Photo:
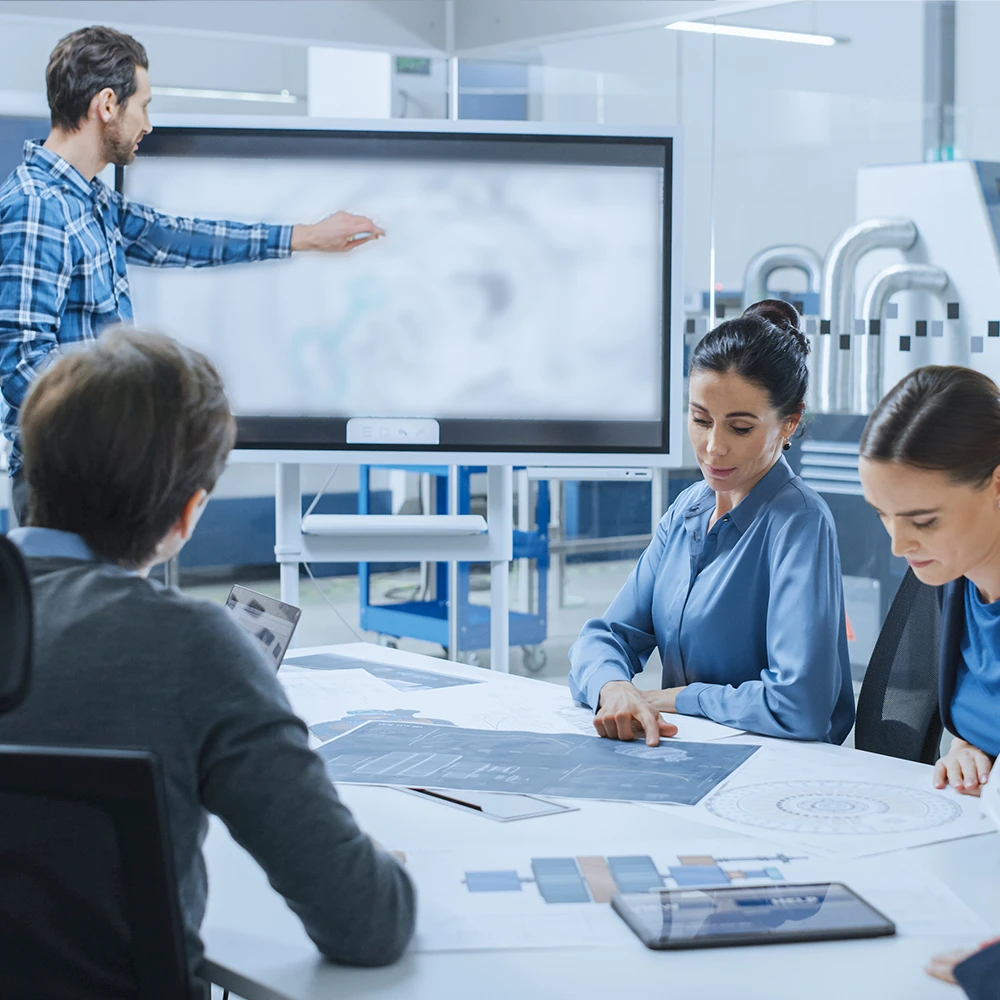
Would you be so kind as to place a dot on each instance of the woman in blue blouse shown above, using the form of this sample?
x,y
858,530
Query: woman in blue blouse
x,y
930,466
740,588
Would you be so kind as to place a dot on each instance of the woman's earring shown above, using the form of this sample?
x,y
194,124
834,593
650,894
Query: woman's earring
x,y
788,444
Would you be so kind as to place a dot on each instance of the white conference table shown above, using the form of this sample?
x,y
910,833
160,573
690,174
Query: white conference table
x,y
256,947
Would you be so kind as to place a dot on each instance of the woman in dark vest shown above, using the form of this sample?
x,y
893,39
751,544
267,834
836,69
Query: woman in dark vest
x,y
930,466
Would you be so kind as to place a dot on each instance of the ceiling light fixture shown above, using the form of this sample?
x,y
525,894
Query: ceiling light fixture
x,y
766,34
226,95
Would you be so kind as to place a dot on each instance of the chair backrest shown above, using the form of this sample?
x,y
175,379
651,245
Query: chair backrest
x,y
898,706
15,626
87,884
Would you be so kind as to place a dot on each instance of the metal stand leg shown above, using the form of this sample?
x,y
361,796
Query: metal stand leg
x,y
659,493
499,517
172,574
558,566
454,601
523,524
427,506
288,528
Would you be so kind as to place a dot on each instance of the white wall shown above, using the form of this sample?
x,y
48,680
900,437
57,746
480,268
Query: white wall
x,y
977,98
793,123
349,83
175,60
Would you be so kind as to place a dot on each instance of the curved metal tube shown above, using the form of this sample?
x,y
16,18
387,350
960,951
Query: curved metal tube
x,y
834,370
898,278
775,258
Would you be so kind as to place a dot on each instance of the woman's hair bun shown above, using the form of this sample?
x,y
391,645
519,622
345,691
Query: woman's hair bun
x,y
783,315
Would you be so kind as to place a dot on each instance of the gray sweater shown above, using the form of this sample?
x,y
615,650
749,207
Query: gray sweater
x,y
122,662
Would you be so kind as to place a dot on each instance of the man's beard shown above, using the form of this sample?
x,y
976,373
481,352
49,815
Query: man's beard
x,y
119,149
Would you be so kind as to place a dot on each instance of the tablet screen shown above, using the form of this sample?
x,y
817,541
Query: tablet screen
x,y
269,621
700,918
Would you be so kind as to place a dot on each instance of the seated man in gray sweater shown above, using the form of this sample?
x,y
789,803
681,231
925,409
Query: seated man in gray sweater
x,y
123,443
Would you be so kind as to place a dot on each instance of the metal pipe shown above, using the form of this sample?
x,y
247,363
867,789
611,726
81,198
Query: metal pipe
x,y
898,278
771,259
834,371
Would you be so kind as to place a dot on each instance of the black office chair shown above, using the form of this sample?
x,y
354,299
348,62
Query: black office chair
x,y
898,705
87,883
16,626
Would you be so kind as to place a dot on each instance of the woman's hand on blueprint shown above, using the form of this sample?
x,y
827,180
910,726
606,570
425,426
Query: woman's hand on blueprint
x,y
336,233
623,713
964,767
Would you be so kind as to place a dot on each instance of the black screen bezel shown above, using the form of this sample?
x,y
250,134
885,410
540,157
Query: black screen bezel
x,y
457,435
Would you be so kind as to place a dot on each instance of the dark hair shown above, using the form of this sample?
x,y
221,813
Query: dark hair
x,y
765,347
83,64
118,436
943,418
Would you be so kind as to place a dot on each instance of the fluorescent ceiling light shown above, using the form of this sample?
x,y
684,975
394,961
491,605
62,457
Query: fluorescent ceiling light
x,y
765,33
226,95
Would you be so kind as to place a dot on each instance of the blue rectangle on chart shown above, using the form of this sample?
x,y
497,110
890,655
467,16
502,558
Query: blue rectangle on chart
x,y
559,880
699,875
506,881
635,874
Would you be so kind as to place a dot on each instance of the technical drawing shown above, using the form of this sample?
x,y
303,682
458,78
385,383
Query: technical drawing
x,y
556,764
401,678
596,879
359,716
848,808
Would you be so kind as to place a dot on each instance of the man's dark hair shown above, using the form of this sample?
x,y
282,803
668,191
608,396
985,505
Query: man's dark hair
x,y
83,64
118,436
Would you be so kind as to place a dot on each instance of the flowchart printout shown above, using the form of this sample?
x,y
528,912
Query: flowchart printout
x,y
560,764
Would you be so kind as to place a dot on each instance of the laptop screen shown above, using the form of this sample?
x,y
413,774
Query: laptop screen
x,y
269,621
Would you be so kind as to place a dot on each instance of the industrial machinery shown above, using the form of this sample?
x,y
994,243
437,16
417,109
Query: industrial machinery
x,y
915,281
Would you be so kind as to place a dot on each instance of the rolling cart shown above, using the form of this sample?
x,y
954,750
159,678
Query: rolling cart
x,y
428,619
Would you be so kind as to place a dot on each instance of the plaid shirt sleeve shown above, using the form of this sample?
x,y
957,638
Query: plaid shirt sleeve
x,y
35,270
158,240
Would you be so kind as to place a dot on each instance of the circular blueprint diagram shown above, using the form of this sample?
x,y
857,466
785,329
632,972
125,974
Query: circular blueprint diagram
x,y
838,807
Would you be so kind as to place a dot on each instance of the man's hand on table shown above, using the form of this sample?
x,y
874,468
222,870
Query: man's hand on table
x,y
335,234
943,966
623,713
964,767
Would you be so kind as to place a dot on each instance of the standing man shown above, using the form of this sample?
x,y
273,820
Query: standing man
x,y
65,236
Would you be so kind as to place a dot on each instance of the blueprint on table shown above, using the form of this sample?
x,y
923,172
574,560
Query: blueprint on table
x,y
401,678
561,764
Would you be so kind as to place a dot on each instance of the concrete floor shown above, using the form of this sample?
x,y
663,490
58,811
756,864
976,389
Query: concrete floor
x,y
589,589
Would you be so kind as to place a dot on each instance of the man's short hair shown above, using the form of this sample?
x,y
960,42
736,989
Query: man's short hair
x,y
118,436
83,64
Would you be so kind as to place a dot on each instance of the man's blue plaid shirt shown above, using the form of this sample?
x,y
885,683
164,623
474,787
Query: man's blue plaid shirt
x,y
64,244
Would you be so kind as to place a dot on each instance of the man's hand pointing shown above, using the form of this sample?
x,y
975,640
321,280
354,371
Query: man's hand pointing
x,y
335,234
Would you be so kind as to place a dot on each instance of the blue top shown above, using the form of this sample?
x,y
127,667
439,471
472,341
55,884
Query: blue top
x,y
64,243
749,615
975,704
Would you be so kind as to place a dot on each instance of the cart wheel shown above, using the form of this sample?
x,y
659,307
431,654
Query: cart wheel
x,y
388,641
471,658
534,659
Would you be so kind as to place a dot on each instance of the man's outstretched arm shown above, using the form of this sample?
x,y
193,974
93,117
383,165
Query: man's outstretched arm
x,y
154,239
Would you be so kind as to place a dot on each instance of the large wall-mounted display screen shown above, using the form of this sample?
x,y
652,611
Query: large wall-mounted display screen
x,y
520,297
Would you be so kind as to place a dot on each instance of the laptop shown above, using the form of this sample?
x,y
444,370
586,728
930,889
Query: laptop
x,y
271,622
